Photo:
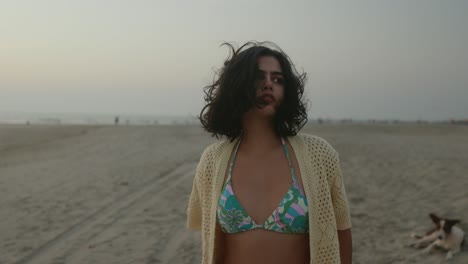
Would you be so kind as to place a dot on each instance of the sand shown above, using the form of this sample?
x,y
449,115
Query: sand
x,y
118,194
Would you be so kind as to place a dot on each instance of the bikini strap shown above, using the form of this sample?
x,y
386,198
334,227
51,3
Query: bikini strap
x,y
285,147
233,159
285,150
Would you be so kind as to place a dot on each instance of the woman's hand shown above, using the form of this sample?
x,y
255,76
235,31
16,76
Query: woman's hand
x,y
346,246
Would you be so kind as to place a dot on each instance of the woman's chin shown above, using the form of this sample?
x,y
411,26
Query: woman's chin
x,y
267,111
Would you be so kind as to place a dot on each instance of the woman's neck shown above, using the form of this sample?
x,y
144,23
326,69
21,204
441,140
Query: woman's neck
x,y
258,136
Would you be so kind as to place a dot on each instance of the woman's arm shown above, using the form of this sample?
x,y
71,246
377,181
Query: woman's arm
x,y
346,246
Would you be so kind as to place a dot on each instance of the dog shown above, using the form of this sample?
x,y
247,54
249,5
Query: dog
x,y
445,235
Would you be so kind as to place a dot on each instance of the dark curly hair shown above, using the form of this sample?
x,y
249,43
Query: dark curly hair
x,y
233,92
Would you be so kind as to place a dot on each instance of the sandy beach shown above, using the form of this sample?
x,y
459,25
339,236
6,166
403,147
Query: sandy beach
x,y
118,194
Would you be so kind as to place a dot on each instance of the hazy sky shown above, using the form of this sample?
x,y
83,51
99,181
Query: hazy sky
x,y
405,59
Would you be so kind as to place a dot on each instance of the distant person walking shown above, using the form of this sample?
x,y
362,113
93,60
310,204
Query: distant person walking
x,y
266,193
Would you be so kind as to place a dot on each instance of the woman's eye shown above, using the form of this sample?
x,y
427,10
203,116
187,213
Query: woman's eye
x,y
278,80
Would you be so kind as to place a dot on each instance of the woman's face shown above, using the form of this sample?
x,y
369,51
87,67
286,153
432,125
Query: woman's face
x,y
270,86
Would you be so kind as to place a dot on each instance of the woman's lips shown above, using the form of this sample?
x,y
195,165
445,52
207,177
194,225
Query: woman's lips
x,y
267,98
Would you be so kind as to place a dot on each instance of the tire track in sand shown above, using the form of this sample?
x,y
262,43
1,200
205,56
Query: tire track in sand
x,y
64,244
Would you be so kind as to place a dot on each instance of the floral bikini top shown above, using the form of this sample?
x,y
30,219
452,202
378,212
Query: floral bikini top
x,y
291,215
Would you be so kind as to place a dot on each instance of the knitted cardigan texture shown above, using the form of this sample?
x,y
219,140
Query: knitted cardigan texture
x,y
323,185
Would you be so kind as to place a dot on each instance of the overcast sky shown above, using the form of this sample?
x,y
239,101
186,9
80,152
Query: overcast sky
x,y
405,59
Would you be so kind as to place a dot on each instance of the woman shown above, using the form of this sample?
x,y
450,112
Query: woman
x,y
267,194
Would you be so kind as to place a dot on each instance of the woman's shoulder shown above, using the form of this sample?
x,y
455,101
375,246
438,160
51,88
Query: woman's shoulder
x,y
314,144
216,150
210,159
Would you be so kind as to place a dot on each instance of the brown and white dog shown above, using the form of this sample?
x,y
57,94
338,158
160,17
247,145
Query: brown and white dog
x,y
445,235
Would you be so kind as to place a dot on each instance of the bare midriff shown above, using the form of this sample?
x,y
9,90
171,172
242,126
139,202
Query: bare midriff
x,y
264,246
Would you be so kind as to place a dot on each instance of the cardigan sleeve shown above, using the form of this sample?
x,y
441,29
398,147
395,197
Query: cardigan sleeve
x,y
339,199
194,210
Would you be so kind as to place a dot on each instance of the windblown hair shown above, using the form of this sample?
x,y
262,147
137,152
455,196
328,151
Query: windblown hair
x,y
233,92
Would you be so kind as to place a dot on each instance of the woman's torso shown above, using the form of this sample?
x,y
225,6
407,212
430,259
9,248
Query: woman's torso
x,y
260,183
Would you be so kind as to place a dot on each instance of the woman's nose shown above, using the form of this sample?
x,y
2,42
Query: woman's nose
x,y
268,83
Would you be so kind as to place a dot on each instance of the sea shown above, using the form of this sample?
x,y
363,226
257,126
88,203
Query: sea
x,y
93,119
10,117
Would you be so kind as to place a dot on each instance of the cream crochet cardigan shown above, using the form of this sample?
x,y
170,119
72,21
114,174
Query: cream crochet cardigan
x,y
323,185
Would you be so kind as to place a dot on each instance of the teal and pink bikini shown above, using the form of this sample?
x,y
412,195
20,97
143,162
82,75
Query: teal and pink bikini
x,y
291,215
